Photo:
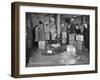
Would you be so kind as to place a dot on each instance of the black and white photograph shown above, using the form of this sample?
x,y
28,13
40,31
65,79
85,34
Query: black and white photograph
x,y
57,39
52,39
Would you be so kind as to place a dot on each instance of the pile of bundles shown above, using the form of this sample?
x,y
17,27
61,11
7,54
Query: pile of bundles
x,y
68,56
51,49
76,40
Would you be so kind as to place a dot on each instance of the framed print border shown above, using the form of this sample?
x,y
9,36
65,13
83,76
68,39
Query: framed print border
x,y
15,39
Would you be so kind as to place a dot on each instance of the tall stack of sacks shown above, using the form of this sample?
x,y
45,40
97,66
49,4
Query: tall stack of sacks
x,y
41,44
79,41
72,40
71,51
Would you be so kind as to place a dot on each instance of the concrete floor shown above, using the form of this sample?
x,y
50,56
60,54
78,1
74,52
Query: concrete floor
x,y
38,60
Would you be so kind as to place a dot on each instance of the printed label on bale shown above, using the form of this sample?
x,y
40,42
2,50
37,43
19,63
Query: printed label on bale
x,y
79,37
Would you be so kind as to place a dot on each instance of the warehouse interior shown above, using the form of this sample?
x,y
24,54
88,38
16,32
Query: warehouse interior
x,y
57,39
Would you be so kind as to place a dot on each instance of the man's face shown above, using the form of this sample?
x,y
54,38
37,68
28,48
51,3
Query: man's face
x,y
72,20
85,25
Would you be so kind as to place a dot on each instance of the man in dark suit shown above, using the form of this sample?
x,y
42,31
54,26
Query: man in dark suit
x,y
86,36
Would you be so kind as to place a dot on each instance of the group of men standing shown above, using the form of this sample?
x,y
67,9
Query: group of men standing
x,y
45,32
48,32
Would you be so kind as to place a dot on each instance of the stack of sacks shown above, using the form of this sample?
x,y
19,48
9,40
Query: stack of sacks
x,y
79,39
55,45
71,51
41,44
72,39
68,56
